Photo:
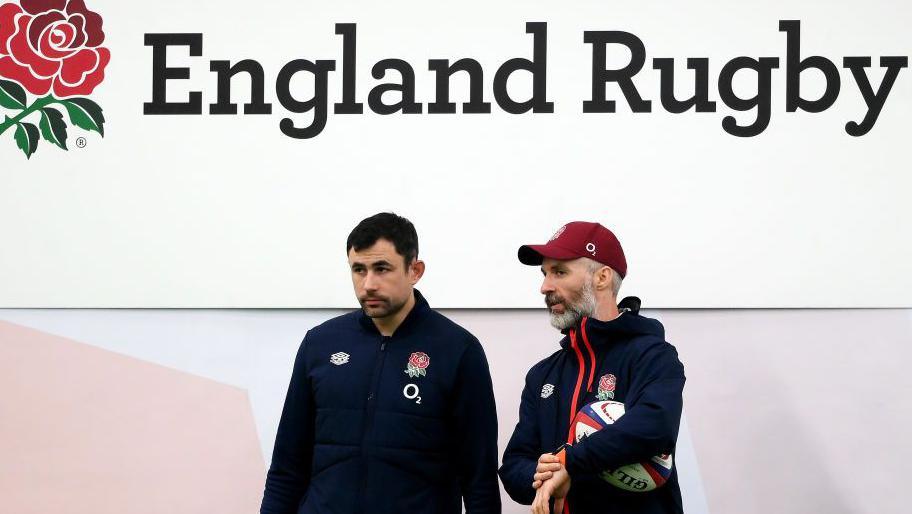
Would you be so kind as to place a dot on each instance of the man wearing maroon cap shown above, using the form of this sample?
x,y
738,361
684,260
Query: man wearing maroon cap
x,y
609,353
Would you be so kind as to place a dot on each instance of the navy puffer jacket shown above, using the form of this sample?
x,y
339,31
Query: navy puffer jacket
x,y
374,424
625,360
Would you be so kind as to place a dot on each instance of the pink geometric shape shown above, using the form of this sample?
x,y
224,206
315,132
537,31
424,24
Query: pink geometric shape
x,y
88,431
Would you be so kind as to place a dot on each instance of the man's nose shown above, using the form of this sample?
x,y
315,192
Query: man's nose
x,y
546,286
370,282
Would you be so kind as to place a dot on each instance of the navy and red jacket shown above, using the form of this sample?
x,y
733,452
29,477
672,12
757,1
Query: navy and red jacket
x,y
648,380
375,424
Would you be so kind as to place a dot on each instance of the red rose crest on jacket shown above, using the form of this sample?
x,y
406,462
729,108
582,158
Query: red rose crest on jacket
x,y
417,365
606,387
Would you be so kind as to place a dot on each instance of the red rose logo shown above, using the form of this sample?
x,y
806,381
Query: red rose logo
x,y
606,387
47,44
51,49
607,383
417,364
420,360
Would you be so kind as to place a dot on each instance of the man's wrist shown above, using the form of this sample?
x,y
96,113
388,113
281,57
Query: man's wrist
x,y
561,454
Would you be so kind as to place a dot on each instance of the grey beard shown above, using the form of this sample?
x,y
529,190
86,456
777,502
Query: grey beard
x,y
574,313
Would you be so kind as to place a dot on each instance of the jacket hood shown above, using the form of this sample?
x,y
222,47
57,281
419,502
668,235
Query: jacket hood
x,y
628,325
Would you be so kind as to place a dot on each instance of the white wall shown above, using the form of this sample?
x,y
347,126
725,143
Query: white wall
x,y
786,411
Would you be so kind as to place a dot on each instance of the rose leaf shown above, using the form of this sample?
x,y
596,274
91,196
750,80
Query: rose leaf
x,y
53,128
85,114
27,138
12,96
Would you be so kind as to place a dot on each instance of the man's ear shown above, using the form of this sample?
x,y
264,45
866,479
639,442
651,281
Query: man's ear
x,y
603,278
416,270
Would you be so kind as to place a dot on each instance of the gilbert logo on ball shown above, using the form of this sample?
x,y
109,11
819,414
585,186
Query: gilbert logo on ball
x,y
417,365
640,477
51,58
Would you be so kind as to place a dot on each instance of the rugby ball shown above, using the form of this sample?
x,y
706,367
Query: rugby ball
x,y
639,477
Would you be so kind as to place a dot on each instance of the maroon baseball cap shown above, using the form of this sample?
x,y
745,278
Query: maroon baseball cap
x,y
578,239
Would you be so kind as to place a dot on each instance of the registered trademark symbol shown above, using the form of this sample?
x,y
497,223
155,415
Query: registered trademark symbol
x,y
80,142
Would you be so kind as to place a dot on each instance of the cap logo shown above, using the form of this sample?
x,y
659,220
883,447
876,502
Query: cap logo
x,y
590,247
558,233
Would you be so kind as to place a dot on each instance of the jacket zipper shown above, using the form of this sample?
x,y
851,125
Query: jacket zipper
x,y
369,416
579,393
579,382
592,367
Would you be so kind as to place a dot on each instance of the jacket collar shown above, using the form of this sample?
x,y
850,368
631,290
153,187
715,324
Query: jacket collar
x,y
627,325
419,310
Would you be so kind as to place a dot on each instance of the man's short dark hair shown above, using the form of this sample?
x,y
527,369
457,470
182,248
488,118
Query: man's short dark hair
x,y
389,226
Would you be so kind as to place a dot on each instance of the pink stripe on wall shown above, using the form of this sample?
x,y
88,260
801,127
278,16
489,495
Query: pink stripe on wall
x,y
88,431
798,411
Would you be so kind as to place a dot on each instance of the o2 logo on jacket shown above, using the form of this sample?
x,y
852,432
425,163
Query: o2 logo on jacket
x,y
417,367
52,50
411,392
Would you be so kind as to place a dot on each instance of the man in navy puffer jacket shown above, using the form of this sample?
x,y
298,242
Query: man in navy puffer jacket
x,y
609,352
390,408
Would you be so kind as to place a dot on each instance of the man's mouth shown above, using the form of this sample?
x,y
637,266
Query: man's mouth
x,y
555,305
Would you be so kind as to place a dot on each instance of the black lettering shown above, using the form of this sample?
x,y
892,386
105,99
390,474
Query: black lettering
x,y
537,67
444,71
794,65
763,66
161,73
320,71
348,31
406,89
700,99
624,76
225,71
875,102
623,477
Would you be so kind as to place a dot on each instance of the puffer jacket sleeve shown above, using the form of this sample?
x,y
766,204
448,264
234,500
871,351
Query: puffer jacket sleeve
x,y
650,424
475,413
522,453
289,473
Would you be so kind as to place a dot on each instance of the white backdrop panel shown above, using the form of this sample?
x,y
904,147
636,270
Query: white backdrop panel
x,y
227,211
